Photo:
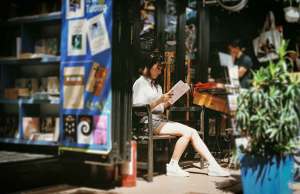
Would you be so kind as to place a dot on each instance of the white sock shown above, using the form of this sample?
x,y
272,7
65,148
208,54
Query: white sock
x,y
173,162
213,163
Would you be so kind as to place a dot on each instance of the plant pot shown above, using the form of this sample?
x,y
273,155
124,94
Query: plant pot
x,y
291,14
266,175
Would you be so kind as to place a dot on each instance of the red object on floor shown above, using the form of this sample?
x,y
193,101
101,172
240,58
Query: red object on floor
x,y
129,168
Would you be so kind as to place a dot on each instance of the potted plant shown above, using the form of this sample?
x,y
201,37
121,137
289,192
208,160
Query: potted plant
x,y
268,115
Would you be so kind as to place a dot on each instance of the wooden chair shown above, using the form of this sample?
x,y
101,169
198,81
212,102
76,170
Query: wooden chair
x,y
144,136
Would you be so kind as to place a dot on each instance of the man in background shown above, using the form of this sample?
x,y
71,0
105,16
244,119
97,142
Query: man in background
x,y
243,61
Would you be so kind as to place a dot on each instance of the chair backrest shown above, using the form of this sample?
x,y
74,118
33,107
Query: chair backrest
x,y
138,113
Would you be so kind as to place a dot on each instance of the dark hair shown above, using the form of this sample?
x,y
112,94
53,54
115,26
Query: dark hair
x,y
148,61
236,43
153,59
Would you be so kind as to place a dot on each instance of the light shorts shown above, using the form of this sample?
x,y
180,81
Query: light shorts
x,y
157,124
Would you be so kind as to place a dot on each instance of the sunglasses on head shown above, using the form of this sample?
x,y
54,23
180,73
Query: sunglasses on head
x,y
157,58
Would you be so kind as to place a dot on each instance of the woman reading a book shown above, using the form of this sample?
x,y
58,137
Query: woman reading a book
x,y
146,90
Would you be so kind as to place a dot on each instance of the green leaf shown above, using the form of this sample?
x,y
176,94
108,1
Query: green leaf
x,y
269,112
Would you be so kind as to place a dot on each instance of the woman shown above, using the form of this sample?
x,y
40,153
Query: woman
x,y
146,90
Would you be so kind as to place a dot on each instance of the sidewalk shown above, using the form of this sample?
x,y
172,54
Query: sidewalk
x,y
197,183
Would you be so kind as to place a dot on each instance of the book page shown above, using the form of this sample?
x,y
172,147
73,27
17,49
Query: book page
x,y
234,75
179,89
225,60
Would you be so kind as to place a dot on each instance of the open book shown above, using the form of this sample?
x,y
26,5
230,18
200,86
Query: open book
x,y
178,90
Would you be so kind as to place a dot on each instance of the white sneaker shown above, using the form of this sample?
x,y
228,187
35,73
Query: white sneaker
x,y
217,171
176,170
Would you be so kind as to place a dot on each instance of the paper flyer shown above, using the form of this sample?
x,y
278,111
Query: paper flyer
x,y
77,37
73,88
84,130
100,134
95,6
75,9
234,75
232,102
97,34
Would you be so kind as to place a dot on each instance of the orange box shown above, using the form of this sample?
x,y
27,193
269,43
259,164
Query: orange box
x,y
211,101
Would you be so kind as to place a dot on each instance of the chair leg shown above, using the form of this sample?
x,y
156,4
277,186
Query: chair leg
x,y
150,160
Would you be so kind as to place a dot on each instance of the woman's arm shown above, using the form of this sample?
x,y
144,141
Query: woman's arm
x,y
140,96
163,99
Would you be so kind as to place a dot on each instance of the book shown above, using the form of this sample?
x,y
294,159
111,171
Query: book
x,y
31,126
178,90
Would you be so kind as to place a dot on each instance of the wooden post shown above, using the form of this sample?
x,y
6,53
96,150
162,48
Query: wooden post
x,y
169,60
188,81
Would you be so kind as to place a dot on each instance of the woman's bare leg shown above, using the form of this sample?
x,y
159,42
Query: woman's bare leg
x,y
187,134
181,143
201,148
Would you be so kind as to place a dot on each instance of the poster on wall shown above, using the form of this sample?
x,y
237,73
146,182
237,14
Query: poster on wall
x,y
77,37
97,34
86,77
73,88
95,6
74,8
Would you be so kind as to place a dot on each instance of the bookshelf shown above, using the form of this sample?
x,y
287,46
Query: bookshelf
x,y
29,101
30,59
53,16
33,61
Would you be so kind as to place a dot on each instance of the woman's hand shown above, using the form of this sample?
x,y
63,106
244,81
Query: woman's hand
x,y
167,105
165,98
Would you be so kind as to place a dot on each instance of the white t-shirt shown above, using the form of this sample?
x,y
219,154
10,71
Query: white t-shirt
x,y
145,93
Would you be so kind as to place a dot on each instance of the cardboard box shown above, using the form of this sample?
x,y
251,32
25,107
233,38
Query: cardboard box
x,y
14,93
23,92
11,93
